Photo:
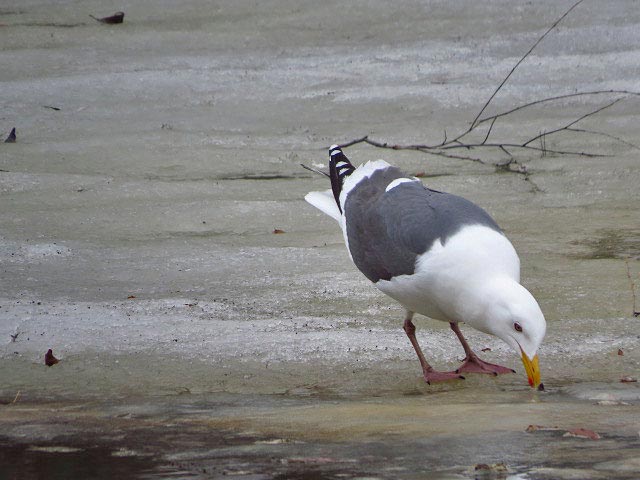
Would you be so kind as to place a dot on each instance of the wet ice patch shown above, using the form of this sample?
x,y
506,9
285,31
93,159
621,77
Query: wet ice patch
x,y
601,392
55,449
623,243
625,465
126,452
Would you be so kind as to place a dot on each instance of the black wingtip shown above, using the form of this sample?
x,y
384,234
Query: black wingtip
x,y
340,161
339,168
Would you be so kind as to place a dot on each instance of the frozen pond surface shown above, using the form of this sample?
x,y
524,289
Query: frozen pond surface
x,y
136,240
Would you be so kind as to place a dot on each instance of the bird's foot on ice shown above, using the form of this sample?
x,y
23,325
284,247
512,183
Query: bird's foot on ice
x,y
473,364
432,376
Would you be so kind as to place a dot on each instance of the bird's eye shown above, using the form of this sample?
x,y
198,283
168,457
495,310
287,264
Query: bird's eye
x,y
517,326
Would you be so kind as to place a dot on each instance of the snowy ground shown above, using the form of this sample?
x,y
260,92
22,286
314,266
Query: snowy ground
x,y
137,220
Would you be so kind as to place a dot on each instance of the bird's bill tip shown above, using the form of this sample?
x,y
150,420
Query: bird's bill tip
x,y
532,368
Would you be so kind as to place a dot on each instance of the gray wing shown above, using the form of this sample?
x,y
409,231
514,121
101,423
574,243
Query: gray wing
x,y
387,231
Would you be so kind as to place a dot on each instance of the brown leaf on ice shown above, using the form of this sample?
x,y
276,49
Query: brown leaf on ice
x,y
628,379
541,428
486,349
495,467
420,174
582,433
49,359
15,399
620,352
130,297
278,231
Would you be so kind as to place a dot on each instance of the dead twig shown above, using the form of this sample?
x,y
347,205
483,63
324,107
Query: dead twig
x,y
570,124
314,170
440,150
486,137
353,142
555,99
543,143
438,153
458,142
632,287
525,147
603,134
515,67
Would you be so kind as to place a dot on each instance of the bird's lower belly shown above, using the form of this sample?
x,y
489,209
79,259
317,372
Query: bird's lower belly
x,y
418,300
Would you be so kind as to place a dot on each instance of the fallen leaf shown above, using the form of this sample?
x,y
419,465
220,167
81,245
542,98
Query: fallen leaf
x,y
277,231
628,379
130,297
620,352
117,17
12,136
495,467
542,428
15,399
420,174
49,359
486,349
582,433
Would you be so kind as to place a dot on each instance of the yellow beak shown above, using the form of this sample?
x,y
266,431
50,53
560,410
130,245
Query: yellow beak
x,y
533,370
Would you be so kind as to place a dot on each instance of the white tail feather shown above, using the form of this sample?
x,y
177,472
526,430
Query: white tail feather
x,y
324,202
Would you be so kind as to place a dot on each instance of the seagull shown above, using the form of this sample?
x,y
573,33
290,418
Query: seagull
x,y
438,255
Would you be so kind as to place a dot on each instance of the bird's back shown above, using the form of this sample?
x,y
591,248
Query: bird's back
x,y
390,220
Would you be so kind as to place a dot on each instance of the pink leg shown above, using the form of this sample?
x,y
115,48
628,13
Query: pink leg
x,y
472,363
430,375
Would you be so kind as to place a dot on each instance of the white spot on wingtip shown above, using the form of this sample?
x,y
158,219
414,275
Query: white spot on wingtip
x,y
399,181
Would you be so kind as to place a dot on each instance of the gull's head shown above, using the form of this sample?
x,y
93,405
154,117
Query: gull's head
x,y
515,316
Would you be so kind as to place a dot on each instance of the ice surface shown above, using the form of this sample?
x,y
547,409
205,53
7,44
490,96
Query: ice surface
x,y
136,227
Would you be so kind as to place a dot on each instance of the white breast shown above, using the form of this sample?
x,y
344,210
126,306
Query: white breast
x,y
445,283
